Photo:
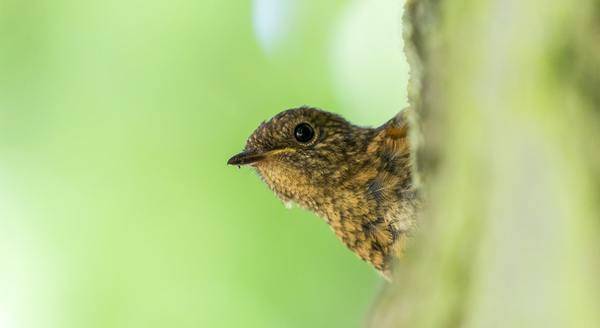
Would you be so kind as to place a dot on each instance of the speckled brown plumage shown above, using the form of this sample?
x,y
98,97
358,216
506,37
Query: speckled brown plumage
x,y
358,179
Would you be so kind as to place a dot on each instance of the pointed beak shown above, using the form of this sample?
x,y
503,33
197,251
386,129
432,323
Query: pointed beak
x,y
246,158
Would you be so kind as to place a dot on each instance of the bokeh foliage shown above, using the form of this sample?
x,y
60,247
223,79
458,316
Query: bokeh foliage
x,y
116,207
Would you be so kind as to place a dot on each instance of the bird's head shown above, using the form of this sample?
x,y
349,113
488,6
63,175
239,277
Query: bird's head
x,y
301,152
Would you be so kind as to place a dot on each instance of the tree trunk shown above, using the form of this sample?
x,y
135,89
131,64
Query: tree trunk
x,y
507,95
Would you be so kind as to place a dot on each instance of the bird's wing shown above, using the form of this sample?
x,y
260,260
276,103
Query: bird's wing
x,y
397,127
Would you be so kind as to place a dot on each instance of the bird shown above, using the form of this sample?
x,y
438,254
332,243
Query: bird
x,y
358,179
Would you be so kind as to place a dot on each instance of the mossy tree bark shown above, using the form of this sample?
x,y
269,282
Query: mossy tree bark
x,y
507,95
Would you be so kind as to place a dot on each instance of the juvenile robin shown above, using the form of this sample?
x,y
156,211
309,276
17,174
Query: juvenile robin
x,y
358,179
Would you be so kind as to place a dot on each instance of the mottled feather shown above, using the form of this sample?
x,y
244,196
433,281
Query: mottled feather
x,y
358,179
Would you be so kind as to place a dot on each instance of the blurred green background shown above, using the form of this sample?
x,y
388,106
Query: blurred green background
x,y
116,120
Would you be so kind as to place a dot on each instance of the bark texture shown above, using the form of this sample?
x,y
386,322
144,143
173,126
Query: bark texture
x,y
507,95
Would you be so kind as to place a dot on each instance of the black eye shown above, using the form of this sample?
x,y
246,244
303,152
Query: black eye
x,y
303,132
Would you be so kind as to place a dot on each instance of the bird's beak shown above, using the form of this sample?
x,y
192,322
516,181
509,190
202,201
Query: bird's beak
x,y
246,158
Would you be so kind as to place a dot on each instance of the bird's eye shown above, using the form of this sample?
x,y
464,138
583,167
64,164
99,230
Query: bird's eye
x,y
303,132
